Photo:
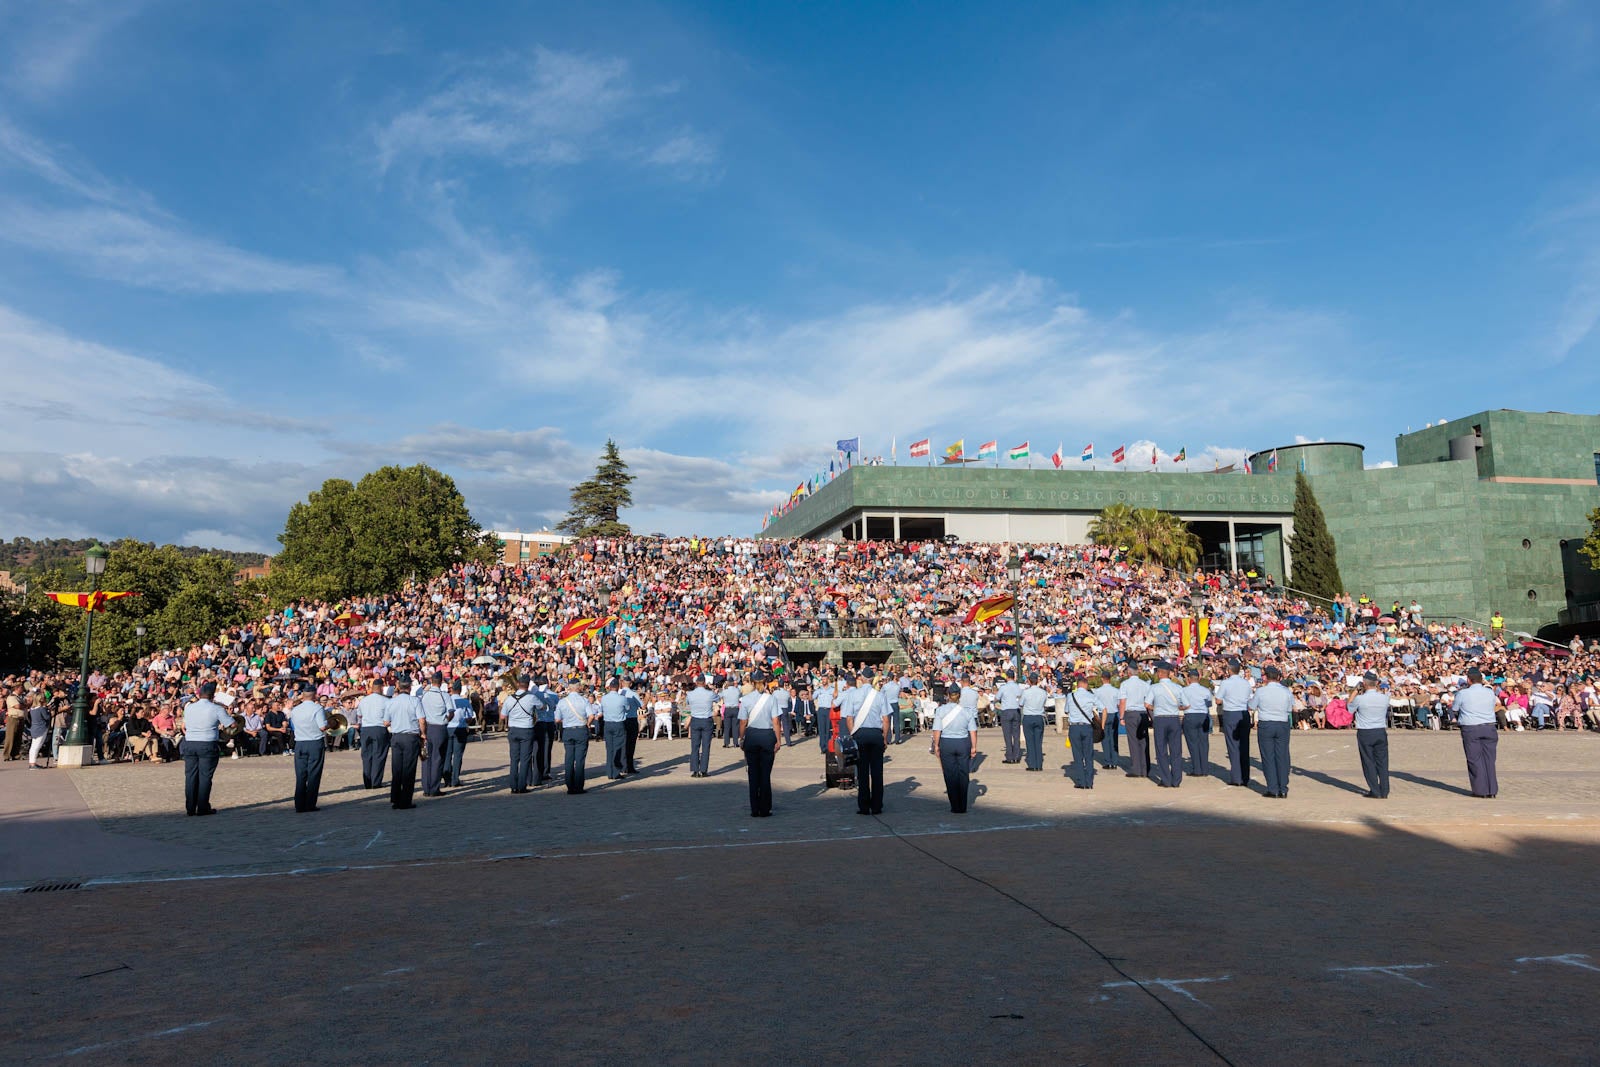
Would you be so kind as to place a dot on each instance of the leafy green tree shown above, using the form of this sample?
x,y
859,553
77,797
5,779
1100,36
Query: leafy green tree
x,y
1591,544
369,538
597,502
1313,557
183,600
1147,535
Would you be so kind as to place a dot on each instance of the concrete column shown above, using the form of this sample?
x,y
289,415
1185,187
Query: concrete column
x,y
1233,548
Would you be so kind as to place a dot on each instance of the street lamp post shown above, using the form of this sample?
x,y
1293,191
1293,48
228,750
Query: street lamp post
x,y
1014,570
27,655
76,750
140,631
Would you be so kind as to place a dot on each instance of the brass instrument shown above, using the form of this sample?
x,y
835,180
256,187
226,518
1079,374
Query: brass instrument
x,y
337,726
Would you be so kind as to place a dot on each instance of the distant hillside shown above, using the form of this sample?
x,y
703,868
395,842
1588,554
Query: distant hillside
x,y
24,555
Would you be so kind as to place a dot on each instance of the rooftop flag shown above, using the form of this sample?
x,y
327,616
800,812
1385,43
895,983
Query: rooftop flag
x,y
1119,454
1182,456
955,450
1088,452
1272,461
848,444
919,449
989,448
1020,452
1055,457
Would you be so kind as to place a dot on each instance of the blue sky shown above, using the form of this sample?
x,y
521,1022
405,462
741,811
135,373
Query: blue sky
x,y
247,247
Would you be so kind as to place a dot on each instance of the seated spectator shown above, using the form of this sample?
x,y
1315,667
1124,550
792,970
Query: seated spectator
x,y
1337,714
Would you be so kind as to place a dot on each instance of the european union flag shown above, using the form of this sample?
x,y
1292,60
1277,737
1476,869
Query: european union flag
x,y
849,444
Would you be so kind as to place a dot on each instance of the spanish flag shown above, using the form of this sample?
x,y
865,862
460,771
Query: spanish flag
x,y
984,610
95,601
600,624
573,630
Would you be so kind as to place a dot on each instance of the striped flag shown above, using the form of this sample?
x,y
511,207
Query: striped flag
x,y
573,630
920,449
1055,457
1272,461
1020,452
1119,454
1183,454
1088,452
988,449
95,601
984,610
1247,468
954,451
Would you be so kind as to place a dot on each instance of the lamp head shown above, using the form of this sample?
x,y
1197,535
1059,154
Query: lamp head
x,y
94,559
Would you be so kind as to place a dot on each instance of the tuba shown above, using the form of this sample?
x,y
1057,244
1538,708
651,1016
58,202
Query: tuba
x,y
337,725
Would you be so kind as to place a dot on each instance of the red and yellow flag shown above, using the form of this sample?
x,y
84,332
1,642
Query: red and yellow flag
x,y
984,610
95,601
573,630
600,624
1185,637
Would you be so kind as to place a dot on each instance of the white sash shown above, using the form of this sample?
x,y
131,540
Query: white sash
x,y
862,714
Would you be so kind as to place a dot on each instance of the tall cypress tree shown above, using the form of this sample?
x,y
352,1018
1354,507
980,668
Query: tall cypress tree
x,y
596,502
1312,553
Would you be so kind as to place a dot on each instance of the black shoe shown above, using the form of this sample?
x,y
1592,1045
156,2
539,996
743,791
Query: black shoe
x,y
402,807
1130,774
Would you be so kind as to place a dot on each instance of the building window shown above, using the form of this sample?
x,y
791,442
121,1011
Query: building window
x,y
1597,468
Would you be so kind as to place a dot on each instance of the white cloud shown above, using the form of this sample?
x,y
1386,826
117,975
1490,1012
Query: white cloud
x,y
48,45
141,251
550,108
119,234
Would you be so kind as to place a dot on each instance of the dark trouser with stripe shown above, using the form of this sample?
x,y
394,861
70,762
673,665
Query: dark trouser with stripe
x,y
614,736
730,726
760,749
519,745
1274,740
630,741
955,760
1374,746
1108,744
1137,725
1480,744
1011,733
869,770
199,764
308,757
374,753
1081,737
824,729
1198,742
1236,734
544,741
1033,733
1169,748
403,749
576,739
433,765
701,732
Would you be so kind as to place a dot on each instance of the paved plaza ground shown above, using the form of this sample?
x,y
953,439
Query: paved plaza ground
x,y
654,918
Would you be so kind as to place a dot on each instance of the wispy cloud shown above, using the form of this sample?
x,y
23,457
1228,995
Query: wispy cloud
x,y
549,108
47,45
110,232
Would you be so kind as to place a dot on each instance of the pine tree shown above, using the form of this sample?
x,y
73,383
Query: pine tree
x,y
1591,544
1313,555
596,502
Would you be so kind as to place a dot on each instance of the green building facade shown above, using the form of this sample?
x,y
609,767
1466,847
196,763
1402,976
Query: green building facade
x,y
1481,514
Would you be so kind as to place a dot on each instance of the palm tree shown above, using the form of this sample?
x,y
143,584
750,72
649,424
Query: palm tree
x,y
1147,536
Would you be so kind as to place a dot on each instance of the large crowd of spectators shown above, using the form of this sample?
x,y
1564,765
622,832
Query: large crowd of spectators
x,y
682,610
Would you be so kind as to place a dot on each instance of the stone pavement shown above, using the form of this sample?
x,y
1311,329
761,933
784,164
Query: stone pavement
x,y
130,820
654,919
